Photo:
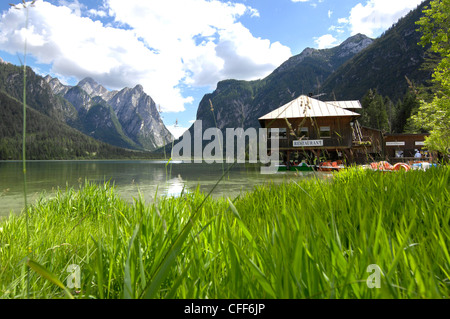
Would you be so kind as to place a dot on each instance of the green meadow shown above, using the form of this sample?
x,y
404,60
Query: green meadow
x,y
304,239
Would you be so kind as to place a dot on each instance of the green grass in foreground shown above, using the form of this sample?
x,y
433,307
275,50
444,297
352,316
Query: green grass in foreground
x,y
305,239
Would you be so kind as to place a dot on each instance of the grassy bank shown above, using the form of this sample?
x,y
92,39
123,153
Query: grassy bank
x,y
310,239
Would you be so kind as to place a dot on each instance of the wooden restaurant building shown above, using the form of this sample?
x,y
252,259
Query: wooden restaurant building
x,y
313,131
403,147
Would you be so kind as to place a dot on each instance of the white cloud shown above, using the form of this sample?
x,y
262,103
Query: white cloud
x,y
378,15
212,44
163,45
98,13
75,6
326,41
330,13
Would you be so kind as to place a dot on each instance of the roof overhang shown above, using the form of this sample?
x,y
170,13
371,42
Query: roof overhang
x,y
307,107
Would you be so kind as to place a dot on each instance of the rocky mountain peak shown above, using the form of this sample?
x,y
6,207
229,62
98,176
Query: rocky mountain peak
x,y
297,59
88,81
55,85
91,87
354,44
139,88
126,118
139,117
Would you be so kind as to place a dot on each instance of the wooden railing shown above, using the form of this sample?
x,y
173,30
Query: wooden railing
x,y
367,141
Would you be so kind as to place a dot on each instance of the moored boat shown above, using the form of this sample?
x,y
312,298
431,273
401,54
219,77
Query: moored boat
x,y
381,166
330,166
386,167
401,167
302,167
422,165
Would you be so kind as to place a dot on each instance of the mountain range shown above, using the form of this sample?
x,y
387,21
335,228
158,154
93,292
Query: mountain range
x,y
127,118
50,139
345,72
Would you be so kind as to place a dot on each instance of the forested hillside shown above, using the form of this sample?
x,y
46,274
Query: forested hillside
x,y
386,65
49,139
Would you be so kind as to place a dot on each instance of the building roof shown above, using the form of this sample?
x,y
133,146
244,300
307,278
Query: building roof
x,y
305,106
348,105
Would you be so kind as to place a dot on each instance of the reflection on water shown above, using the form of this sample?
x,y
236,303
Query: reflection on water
x,y
131,178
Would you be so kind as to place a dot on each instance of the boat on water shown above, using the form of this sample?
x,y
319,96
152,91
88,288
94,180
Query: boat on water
x,y
330,166
302,167
381,166
386,167
422,165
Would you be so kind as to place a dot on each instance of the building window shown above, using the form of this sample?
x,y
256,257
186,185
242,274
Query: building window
x,y
304,133
325,131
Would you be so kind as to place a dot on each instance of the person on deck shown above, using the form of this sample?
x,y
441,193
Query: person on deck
x,y
418,155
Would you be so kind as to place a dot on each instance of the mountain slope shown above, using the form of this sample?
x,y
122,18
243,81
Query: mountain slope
x,y
136,122
139,117
39,95
241,103
101,123
384,65
137,126
48,139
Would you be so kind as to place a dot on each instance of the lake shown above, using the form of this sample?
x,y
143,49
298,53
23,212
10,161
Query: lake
x,y
151,178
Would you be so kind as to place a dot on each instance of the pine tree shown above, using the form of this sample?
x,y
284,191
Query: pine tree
x,y
374,114
405,108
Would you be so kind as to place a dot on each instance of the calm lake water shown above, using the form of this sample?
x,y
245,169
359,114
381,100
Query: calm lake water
x,y
151,178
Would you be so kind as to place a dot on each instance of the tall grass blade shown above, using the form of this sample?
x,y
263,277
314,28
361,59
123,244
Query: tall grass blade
x,y
167,262
43,272
128,291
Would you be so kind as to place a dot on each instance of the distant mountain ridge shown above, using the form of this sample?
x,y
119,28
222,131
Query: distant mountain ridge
x,y
48,139
139,122
127,118
241,103
385,64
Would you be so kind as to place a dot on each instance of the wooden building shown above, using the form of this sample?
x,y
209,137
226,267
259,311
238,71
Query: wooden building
x,y
402,147
314,130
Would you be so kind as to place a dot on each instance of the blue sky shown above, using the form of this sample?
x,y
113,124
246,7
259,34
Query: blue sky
x,y
179,49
